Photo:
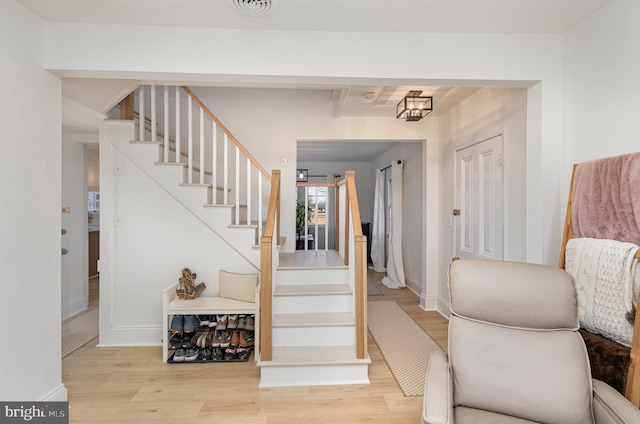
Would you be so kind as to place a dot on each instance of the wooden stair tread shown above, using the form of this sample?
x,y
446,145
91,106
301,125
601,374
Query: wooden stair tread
x,y
312,289
317,319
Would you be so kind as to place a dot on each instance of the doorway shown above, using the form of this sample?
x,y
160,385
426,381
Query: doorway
x,y
478,214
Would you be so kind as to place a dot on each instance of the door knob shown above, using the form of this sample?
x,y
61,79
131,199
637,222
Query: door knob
x,y
456,258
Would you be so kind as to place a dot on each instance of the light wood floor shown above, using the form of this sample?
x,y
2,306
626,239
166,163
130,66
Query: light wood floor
x,y
133,385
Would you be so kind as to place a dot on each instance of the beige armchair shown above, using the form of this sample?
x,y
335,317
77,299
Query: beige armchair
x,y
515,354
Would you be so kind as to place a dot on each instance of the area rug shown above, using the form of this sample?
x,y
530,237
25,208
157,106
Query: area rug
x,y
372,289
78,331
405,346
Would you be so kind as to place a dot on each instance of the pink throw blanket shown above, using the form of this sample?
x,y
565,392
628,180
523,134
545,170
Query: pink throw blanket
x,y
606,199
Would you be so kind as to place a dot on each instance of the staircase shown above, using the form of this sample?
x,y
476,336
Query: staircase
x,y
313,303
313,324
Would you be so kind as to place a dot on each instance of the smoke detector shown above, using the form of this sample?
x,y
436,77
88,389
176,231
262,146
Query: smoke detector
x,y
253,7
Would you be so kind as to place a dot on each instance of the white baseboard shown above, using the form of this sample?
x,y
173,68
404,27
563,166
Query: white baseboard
x,y
59,394
74,307
130,336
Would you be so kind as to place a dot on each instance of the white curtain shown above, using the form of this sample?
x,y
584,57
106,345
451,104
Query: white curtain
x,y
377,230
395,267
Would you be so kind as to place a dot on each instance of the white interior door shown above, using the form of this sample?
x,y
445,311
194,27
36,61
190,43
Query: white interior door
x,y
477,217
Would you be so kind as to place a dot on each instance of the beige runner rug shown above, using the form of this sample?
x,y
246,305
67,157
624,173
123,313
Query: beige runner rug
x,y
78,331
405,346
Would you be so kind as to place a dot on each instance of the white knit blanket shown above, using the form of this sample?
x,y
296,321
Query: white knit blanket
x,y
605,277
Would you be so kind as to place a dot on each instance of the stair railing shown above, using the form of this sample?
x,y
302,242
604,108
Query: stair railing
x,y
166,113
352,245
268,266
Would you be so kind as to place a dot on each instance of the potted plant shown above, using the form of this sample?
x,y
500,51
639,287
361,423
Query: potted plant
x,y
300,209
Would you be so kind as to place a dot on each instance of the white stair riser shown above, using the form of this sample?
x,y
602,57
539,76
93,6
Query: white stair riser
x,y
314,336
302,304
312,276
314,375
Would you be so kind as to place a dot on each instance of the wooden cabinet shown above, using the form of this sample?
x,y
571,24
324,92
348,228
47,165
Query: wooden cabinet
x,y
94,252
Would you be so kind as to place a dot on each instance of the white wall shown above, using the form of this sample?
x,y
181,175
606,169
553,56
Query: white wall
x,y
30,118
413,226
601,86
489,112
158,237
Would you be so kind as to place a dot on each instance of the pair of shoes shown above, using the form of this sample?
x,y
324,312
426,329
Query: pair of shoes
x,y
232,322
243,353
179,355
221,322
217,354
191,355
246,338
207,321
186,323
237,352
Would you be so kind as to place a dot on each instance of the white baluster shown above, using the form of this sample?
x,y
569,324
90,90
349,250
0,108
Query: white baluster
x,y
166,123
315,215
248,191
153,113
178,146
190,139
141,112
225,171
306,216
201,146
237,185
326,219
214,164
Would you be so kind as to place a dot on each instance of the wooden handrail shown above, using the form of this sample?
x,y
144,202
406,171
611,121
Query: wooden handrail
x,y
360,254
226,131
266,268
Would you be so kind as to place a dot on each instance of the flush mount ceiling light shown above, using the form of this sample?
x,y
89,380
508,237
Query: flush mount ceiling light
x,y
253,7
414,107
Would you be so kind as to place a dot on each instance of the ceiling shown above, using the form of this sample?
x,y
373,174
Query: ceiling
x,y
431,16
413,16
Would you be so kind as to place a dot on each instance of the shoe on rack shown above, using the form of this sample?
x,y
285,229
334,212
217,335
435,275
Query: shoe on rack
x,y
202,339
246,338
175,340
185,341
190,323
235,338
225,339
203,320
212,321
229,353
250,324
243,353
215,340
218,353
242,320
232,322
177,323
208,341
191,355
221,322
195,336
179,355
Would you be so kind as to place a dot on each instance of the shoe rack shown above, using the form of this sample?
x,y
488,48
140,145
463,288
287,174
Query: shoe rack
x,y
203,305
